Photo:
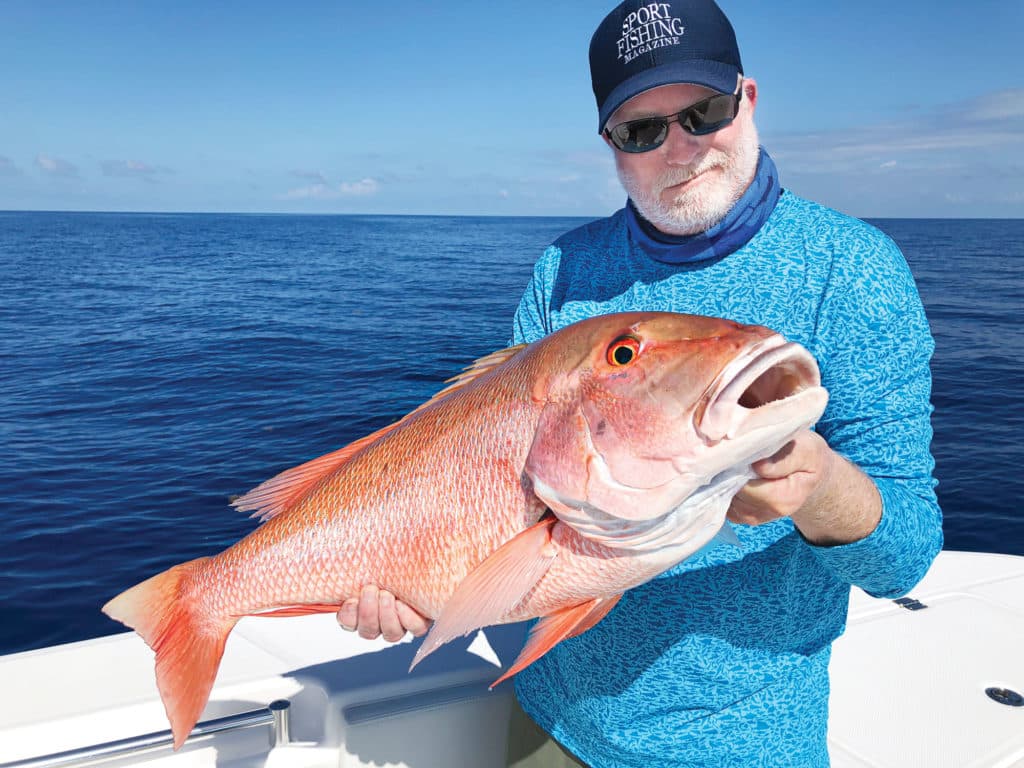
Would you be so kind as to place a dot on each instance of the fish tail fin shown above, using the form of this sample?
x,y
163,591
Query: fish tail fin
x,y
188,641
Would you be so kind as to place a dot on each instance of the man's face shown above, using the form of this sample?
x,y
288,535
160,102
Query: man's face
x,y
689,183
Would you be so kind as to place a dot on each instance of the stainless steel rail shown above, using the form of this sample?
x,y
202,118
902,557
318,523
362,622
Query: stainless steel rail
x,y
275,715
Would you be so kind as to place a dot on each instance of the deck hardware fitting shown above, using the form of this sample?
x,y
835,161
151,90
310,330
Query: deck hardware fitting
x,y
1005,696
910,603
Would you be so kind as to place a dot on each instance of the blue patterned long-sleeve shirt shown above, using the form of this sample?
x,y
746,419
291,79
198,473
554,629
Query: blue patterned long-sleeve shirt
x,y
723,660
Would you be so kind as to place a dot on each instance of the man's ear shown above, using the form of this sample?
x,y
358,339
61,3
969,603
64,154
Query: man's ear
x,y
750,91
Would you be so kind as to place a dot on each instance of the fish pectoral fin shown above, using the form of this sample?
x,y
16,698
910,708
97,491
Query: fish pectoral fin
x,y
494,587
553,629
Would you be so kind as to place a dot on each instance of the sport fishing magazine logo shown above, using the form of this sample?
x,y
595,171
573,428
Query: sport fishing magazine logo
x,y
649,27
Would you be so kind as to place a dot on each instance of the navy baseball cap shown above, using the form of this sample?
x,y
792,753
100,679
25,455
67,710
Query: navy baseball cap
x,y
641,45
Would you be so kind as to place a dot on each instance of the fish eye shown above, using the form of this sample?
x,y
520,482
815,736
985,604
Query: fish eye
x,y
623,351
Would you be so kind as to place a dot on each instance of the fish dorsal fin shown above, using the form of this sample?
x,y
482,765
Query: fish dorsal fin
x,y
283,491
479,367
494,587
561,625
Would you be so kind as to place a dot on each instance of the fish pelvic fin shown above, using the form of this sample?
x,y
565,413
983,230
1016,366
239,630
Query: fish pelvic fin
x,y
559,626
188,641
283,491
494,587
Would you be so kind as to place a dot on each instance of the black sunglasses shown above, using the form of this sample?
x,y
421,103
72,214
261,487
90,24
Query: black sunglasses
x,y
706,116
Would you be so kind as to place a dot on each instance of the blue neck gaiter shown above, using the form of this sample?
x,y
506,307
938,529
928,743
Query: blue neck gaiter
x,y
740,224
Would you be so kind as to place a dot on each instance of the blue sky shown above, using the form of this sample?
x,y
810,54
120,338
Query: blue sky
x,y
896,108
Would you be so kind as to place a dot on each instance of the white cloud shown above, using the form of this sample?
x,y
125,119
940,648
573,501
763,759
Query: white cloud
x,y
313,191
590,159
959,159
132,169
314,176
999,105
324,191
56,166
359,188
991,122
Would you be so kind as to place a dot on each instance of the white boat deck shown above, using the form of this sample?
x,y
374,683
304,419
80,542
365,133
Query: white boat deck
x,y
908,688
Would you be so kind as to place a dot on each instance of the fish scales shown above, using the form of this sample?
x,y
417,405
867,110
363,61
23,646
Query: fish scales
x,y
361,525
544,481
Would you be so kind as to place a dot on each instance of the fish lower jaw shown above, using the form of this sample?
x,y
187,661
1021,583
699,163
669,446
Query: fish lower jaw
x,y
667,538
674,535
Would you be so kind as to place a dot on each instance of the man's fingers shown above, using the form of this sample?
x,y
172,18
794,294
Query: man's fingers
x,y
752,491
390,625
411,620
376,612
369,613
780,463
748,508
347,615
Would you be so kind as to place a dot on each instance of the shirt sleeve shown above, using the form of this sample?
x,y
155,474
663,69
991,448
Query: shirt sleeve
x,y
876,347
532,320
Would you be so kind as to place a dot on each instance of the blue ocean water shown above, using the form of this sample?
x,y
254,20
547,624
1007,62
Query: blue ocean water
x,y
154,365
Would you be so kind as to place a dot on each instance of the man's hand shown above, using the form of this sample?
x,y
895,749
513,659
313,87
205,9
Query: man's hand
x,y
787,481
829,499
376,612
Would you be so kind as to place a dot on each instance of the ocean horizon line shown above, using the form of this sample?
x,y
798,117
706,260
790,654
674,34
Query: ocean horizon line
x,y
364,214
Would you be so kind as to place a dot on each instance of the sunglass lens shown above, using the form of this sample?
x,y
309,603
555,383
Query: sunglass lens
x,y
704,117
710,115
640,135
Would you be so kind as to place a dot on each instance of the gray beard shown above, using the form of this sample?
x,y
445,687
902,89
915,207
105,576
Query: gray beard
x,y
691,213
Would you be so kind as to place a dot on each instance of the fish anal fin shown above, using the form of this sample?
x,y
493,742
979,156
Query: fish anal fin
x,y
299,610
188,642
559,626
494,587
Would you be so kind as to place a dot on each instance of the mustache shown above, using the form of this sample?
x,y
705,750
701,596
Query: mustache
x,y
676,176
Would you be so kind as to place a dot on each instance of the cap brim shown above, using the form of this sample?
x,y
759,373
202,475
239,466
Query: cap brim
x,y
711,74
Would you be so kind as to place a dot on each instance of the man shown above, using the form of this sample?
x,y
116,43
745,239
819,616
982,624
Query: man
x,y
723,660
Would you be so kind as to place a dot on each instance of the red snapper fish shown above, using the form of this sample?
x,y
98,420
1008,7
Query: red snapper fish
x,y
544,481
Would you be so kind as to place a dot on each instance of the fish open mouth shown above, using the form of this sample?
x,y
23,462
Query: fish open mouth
x,y
775,381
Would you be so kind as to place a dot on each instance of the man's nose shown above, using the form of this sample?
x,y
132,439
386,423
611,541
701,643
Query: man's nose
x,y
681,148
